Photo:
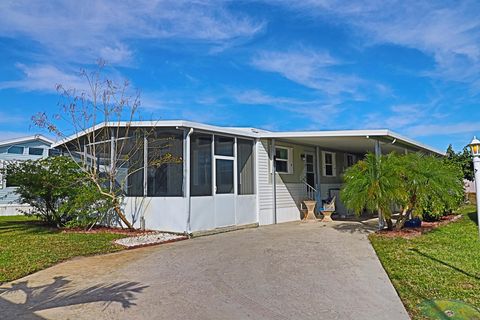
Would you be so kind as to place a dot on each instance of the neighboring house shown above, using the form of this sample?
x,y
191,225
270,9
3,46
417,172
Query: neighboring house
x,y
470,191
239,176
20,149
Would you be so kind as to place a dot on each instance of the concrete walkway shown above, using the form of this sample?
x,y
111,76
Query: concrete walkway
x,y
287,271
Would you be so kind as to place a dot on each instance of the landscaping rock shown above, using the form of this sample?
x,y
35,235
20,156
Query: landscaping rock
x,y
149,239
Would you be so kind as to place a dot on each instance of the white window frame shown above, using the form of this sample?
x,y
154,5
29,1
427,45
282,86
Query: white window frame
x,y
12,146
39,148
333,164
289,160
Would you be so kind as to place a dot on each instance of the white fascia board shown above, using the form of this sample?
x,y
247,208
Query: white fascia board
x,y
26,139
321,134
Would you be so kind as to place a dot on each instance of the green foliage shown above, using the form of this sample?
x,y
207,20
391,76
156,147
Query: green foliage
x,y
58,191
420,184
461,159
434,186
372,184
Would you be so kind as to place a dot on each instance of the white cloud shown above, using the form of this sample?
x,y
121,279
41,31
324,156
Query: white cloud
x,y
79,30
449,32
117,54
45,78
444,129
7,118
316,111
308,68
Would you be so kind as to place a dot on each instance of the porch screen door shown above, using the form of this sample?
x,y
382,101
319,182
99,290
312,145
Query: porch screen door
x,y
225,179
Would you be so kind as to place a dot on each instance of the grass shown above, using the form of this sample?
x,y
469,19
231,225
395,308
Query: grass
x,y
27,246
442,264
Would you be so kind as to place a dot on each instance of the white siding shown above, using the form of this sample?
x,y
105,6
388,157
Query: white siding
x,y
289,195
265,191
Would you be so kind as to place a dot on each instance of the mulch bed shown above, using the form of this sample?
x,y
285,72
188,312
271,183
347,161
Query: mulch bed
x,y
408,233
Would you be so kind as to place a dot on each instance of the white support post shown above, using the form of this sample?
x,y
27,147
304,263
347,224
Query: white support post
x,y
378,153
186,178
112,162
476,169
145,165
317,175
274,182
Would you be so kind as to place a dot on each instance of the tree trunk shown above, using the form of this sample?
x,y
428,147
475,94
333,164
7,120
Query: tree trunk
x,y
389,223
402,219
122,216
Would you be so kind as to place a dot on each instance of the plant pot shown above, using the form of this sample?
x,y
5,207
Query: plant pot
x,y
310,204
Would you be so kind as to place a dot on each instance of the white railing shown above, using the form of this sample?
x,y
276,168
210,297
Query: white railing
x,y
311,191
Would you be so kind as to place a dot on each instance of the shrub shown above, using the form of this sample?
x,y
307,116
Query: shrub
x,y
59,193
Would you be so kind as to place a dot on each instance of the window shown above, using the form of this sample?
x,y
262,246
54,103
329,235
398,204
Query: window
x,y
283,160
165,163
245,167
329,167
35,151
15,150
54,152
224,176
224,146
350,160
9,182
129,166
200,164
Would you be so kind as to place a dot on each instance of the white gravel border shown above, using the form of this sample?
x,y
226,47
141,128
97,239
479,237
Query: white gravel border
x,y
149,239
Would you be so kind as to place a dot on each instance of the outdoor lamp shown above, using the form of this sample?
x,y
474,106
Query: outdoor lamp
x,y
475,148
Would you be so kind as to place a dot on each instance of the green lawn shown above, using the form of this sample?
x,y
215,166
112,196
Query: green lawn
x,y
27,246
442,264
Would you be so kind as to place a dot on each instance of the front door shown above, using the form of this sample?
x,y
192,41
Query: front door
x,y
225,179
310,169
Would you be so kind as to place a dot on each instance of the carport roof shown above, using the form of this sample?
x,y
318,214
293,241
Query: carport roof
x,y
355,141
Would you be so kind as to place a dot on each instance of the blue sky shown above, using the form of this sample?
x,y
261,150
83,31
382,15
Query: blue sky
x,y
410,66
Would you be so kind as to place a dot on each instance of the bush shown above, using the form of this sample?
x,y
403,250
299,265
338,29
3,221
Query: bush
x,y
58,191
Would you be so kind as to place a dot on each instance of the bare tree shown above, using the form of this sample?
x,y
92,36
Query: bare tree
x,y
97,126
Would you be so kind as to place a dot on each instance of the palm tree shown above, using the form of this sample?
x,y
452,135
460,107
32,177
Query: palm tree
x,y
431,184
373,184
418,183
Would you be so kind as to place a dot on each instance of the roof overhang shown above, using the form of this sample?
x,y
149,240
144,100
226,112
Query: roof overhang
x,y
355,141
37,137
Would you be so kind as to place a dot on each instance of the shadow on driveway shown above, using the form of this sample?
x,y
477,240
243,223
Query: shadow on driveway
x,y
21,301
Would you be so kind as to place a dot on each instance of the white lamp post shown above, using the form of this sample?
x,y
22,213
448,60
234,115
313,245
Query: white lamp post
x,y
475,148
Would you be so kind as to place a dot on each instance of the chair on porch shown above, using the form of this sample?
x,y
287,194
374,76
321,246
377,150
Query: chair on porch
x,y
327,210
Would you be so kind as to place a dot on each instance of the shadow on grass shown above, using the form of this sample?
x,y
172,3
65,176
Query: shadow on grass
x,y
473,276
21,301
473,216
26,227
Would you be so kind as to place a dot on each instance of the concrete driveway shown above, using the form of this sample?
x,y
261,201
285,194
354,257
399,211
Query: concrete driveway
x,y
286,271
